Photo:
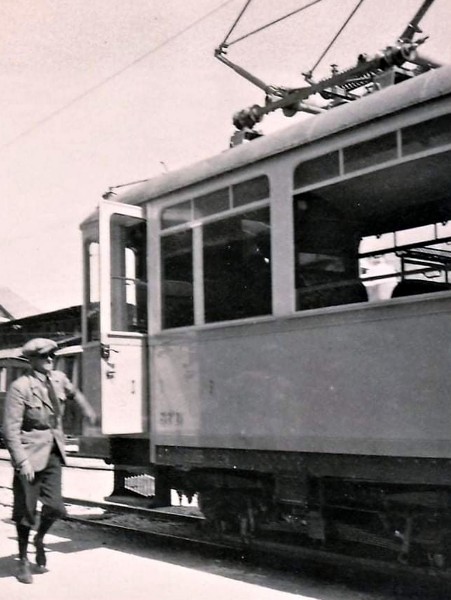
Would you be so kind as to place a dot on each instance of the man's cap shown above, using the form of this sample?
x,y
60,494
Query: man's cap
x,y
38,346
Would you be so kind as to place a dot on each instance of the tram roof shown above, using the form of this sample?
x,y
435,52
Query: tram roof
x,y
420,89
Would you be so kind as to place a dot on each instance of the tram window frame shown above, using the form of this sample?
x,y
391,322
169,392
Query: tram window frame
x,y
211,204
258,188
249,191
177,214
426,135
316,170
229,203
366,154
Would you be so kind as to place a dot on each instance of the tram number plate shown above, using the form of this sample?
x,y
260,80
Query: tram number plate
x,y
171,417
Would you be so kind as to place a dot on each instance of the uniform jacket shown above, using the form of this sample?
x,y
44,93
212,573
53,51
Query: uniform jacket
x,y
30,424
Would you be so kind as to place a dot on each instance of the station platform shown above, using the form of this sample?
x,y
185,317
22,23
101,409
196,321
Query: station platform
x,y
86,563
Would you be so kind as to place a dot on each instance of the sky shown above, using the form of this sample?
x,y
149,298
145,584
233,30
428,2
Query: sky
x,y
98,93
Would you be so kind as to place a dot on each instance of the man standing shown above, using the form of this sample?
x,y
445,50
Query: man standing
x,y
33,433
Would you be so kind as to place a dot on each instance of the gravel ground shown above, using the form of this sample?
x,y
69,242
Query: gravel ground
x,y
319,583
69,540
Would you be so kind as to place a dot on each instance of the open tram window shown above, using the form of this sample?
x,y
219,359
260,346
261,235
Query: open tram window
x,y
326,255
407,262
237,266
128,274
345,256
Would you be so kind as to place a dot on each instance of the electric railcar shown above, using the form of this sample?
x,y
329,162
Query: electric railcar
x,y
270,328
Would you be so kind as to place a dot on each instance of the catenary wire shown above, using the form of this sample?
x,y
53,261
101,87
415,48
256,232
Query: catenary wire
x,y
106,80
243,10
334,39
246,35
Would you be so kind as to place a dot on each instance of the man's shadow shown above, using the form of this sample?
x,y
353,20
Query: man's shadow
x,y
9,564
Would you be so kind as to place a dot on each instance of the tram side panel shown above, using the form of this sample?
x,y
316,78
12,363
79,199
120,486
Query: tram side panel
x,y
93,442
372,380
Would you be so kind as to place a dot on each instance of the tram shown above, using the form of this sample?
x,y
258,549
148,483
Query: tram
x,y
269,328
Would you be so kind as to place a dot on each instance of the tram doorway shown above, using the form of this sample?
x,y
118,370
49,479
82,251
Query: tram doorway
x,y
115,353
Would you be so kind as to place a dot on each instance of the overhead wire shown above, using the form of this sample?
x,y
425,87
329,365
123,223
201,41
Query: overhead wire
x,y
114,75
246,35
336,36
229,33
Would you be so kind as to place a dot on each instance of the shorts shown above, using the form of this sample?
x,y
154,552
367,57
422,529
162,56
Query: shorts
x,y
45,487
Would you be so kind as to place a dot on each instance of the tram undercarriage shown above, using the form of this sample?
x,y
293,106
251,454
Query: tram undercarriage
x,y
407,523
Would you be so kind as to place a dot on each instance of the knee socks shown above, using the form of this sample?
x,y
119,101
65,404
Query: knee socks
x,y
44,526
23,533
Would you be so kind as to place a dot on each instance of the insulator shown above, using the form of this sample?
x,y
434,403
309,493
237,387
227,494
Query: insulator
x,y
290,110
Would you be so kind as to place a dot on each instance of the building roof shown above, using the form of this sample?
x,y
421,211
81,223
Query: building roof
x,y
13,306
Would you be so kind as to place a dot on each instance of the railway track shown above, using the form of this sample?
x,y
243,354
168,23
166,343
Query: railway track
x,y
182,527
181,530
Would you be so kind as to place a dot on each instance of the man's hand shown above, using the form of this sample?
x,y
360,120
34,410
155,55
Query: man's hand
x,y
27,471
91,417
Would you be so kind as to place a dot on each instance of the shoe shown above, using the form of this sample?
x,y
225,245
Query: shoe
x,y
41,559
24,573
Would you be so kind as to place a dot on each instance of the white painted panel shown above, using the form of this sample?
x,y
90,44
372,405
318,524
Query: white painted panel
x,y
123,387
368,380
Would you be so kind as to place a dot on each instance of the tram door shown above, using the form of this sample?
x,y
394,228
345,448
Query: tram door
x,y
120,349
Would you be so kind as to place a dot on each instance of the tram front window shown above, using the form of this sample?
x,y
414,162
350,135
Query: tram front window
x,y
128,274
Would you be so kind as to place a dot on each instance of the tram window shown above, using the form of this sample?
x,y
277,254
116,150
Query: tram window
x,y
371,152
377,243
250,191
210,204
444,229
237,267
93,291
177,267
435,132
128,274
316,170
326,255
3,384
418,234
176,215
407,261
